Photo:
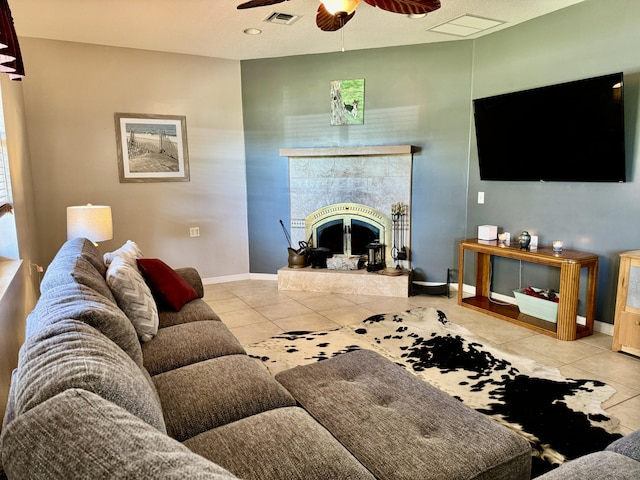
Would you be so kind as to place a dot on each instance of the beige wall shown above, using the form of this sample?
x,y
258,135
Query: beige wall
x,y
71,93
62,149
20,295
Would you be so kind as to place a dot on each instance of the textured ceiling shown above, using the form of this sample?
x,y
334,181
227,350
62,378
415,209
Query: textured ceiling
x,y
215,28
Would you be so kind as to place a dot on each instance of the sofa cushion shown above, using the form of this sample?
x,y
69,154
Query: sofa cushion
x,y
129,252
281,443
134,297
79,435
10,409
169,288
188,343
84,248
70,269
71,354
205,395
596,466
78,302
194,311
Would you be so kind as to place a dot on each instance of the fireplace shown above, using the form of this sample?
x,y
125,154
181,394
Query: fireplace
x,y
342,198
347,228
352,189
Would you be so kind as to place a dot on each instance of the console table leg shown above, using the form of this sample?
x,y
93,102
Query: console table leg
x,y
460,274
592,284
483,274
568,305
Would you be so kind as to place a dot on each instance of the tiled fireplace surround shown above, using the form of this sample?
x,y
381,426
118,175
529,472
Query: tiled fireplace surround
x,y
369,180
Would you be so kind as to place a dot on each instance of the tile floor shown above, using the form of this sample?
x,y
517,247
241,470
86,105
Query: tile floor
x,y
255,310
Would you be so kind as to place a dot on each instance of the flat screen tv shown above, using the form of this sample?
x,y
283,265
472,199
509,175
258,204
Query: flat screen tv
x,y
570,132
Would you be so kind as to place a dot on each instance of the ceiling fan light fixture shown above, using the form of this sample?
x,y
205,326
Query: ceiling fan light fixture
x,y
335,7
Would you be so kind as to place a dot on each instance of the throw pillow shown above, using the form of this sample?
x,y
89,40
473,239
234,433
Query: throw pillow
x,y
168,287
129,252
134,297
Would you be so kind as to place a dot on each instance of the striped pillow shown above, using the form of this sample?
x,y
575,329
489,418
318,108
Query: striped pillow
x,y
134,297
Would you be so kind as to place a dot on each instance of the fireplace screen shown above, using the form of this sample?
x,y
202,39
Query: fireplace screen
x,y
347,229
345,235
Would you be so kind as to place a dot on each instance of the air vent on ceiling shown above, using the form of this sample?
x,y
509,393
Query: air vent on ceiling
x,y
281,18
466,25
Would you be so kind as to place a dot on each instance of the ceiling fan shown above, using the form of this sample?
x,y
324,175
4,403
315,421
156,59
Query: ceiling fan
x,y
334,14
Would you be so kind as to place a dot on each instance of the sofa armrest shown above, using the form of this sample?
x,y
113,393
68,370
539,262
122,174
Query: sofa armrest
x,y
192,277
95,438
595,466
628,445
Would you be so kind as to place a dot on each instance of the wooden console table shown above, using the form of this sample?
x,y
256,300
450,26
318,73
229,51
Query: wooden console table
x,y
570,263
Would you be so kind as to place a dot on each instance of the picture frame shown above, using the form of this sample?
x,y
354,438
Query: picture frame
x,y
152,148
347,102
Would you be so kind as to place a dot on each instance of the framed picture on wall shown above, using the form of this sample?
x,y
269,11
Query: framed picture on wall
x,y
152,148
347,102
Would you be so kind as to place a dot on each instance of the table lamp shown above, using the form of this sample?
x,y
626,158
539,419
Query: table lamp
x,y
90,221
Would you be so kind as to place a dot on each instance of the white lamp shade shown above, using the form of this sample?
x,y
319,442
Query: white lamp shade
x,y
90,221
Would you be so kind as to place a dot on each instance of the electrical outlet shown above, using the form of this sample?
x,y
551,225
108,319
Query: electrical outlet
x,y
194,231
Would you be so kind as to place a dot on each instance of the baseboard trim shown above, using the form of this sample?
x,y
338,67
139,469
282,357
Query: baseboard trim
x,y
601,327
239,277
225,279
263,276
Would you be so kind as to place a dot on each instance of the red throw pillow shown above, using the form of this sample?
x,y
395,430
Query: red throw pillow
x,y
167,286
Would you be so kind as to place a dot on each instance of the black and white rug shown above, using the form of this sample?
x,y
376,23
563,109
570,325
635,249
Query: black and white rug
x,y
560,417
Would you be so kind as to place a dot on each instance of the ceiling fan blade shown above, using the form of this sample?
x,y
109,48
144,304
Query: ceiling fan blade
x,y
258,3
406,7
330,23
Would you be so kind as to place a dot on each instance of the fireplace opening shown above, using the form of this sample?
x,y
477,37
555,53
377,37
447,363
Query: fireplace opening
x,y
346,229
346,236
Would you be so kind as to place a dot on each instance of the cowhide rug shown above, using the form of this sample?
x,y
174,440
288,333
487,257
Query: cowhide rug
x,y
561,418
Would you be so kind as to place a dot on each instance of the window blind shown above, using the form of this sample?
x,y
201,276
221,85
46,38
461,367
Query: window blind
x,y
6,196
5,182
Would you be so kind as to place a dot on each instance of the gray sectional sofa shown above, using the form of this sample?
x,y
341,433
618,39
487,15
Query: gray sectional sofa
x,y
96,395
619,461
89,400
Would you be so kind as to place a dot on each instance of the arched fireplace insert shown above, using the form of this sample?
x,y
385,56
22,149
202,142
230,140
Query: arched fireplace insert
x,y
347,228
